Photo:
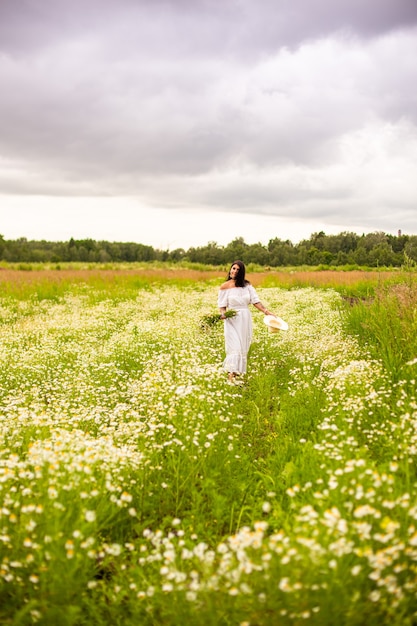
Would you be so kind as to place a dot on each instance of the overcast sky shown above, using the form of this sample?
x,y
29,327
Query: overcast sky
x,y
174,123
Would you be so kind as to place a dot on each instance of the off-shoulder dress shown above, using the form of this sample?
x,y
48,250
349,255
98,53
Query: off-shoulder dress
x,y
238,329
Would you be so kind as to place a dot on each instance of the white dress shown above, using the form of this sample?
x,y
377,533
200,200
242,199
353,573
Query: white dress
x,y
238,329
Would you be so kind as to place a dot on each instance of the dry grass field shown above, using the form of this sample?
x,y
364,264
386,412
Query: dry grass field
x,y
13,281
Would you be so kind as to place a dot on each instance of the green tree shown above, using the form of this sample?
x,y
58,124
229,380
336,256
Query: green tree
x,y
237,249
259,254
281,253
411,247
382,254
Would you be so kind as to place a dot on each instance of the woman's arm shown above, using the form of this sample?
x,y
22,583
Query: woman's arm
x,y
261,307
223,300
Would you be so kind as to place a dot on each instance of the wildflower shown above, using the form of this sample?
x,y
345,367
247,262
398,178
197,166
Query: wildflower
x,y
375,596
284,585
191,596
115,549
35,615
364,510
413,540
184,390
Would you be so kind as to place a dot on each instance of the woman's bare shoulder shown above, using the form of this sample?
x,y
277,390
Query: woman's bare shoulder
x,y
228,284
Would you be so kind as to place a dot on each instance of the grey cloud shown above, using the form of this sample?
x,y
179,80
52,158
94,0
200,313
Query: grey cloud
x,y
227,27
162,100
319,18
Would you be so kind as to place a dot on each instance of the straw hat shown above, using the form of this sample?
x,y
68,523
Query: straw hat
x,y
275,323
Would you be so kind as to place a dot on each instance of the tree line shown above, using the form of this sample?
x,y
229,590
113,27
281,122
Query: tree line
x,y
373,250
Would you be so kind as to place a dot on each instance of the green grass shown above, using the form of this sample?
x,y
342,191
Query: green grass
x,y
137,487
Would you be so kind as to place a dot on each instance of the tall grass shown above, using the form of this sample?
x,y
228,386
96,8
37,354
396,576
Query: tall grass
x,y
137,487
387,325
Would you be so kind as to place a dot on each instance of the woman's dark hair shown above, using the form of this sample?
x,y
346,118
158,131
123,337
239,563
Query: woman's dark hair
x,y
240,279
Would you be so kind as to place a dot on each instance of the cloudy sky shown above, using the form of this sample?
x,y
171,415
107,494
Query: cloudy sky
x,y
174,123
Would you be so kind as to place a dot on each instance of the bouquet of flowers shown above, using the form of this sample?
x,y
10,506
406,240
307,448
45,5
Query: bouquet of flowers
x,y
208,321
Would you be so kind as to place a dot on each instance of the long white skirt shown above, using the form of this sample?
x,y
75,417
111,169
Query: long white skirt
x,y
238,337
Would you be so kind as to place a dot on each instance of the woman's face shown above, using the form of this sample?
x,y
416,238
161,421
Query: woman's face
x,y
234,271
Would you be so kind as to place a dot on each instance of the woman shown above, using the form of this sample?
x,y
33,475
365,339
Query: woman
x,y
237,293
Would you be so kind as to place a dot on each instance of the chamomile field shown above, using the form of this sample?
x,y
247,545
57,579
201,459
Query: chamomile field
x,y
138,487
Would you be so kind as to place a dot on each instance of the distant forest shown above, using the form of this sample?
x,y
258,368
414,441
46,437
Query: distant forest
x,y
373,250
